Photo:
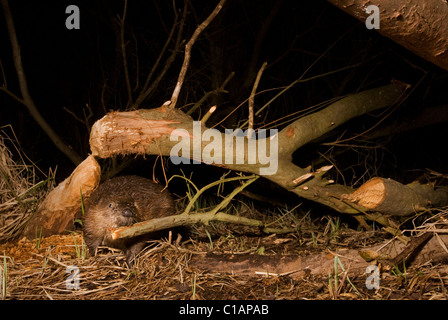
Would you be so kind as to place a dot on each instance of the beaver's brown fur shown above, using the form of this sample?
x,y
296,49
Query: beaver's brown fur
x,y
119,202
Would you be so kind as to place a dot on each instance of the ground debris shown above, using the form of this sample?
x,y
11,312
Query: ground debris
x,y
163,271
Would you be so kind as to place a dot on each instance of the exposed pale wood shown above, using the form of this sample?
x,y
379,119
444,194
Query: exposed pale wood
x,y
57,211
393,198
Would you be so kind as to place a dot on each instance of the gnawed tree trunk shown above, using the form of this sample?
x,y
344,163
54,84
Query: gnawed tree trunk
x,y
419,26
390,197
56,213
148,132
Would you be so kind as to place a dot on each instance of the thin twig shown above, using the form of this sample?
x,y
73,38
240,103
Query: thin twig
x,y
12,94
123,54
188,46
205,96
207,115
252,96
145,91
166,65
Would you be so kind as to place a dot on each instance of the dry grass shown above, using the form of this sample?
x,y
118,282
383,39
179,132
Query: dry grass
x,y
163,271
20,193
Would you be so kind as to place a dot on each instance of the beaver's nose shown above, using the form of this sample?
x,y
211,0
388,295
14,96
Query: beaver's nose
x,y
127,212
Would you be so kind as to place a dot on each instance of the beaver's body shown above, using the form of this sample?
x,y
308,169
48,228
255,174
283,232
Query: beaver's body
x,y
119,202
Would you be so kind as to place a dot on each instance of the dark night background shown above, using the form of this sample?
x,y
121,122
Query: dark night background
x,y
69,69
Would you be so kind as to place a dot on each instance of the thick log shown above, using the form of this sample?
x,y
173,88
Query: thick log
x,y
419,26
390,197
322,263
56,213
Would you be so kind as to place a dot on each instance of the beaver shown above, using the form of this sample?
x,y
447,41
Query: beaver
x,y
119,202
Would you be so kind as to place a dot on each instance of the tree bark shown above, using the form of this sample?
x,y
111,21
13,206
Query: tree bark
x,y
322,263
419,26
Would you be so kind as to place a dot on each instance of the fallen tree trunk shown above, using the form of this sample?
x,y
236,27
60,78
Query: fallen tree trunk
x,y
419,26
322,263
151,131
390,197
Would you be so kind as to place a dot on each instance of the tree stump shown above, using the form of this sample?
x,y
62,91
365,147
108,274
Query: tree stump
x,y
56,213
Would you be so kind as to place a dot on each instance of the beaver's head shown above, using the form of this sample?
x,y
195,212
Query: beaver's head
x,y
121,211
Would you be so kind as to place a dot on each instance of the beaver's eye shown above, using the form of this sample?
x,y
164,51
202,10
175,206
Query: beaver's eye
x,y
111,205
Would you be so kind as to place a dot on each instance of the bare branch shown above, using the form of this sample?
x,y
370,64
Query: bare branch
x,y
11,94
146,91
207,115
252,95
205,96
310,127
123,54
188,47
